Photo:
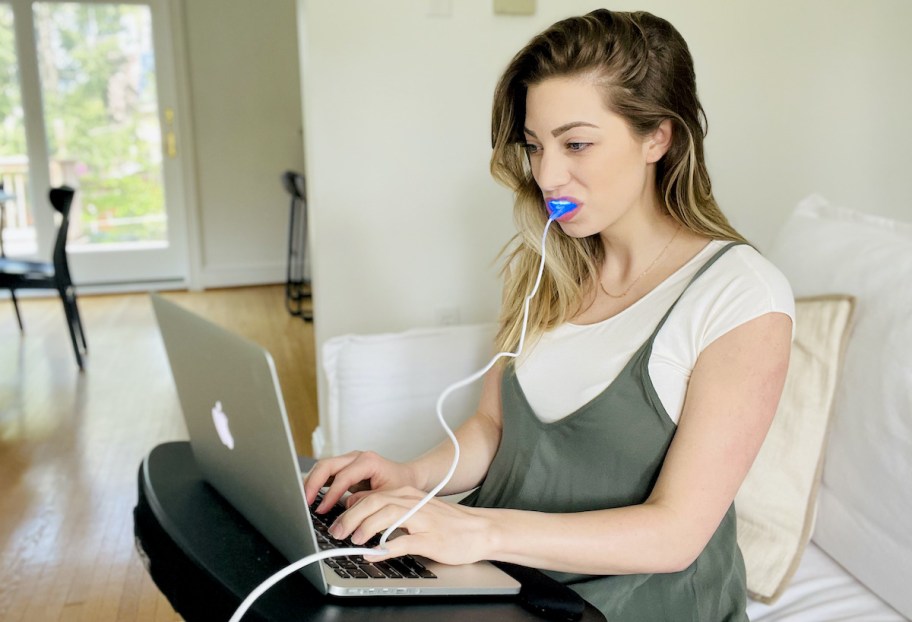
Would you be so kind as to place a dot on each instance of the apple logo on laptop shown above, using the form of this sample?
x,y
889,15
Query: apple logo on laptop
x,y
220,419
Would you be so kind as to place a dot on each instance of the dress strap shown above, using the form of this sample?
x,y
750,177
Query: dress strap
x,y
702,269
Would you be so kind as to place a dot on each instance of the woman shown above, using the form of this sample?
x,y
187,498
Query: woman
x,y
610,452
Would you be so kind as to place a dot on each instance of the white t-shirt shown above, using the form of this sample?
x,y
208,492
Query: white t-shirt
x,y
571,364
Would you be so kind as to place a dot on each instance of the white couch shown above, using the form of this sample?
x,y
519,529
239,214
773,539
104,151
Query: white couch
x,y
858,564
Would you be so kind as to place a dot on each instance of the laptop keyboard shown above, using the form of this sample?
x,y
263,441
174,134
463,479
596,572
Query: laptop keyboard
x,y
355,566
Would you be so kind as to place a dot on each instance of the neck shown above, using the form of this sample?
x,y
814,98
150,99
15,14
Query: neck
x,y
634,240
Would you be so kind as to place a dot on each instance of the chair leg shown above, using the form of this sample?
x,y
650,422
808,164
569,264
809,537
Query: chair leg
x,y
71,324
82,337
16,309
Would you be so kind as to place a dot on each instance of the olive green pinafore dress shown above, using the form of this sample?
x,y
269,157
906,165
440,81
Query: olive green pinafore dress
x,y
608,454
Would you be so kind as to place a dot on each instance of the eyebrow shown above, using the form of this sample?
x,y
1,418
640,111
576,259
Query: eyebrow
x,y
563,128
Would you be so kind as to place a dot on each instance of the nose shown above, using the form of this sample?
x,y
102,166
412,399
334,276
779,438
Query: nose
x,y
552,171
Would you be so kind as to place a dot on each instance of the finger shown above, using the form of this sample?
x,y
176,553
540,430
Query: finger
x,y
320,475
407,492
357,474
392,550
380,521
370,515
332,494
355,497
417,544
322,469
352,518
323,473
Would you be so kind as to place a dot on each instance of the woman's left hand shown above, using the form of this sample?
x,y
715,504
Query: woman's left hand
x,y
442,531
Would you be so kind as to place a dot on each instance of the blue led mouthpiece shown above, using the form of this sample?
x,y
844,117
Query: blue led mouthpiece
x,y
559,207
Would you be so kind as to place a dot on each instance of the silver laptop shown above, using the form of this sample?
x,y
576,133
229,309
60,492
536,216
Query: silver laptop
x,y
242,443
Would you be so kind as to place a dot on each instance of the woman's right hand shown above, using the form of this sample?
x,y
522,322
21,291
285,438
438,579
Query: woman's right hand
x,y
360,472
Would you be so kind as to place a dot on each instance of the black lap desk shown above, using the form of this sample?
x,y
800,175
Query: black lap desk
x,y
205,558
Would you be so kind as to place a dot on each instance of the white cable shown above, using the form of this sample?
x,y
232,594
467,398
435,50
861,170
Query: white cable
x,y
467,381
281,574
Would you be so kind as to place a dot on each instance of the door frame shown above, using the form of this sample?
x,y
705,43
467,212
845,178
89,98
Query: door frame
x,y
169,40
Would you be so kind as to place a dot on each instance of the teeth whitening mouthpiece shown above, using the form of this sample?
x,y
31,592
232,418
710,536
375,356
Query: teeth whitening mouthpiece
x,y
559,207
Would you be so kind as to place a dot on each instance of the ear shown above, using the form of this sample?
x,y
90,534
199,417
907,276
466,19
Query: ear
x,y
658,144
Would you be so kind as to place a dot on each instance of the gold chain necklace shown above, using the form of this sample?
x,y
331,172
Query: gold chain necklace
x,y
643,273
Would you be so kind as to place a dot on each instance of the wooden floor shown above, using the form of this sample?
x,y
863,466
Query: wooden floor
x,y
71,443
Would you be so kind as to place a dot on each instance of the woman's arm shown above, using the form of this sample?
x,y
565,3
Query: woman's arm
x,y
733,394
479,438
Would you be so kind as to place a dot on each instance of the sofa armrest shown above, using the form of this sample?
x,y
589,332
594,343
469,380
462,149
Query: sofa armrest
x,y
383,388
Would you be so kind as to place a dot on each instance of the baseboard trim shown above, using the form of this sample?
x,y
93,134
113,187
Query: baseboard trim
x,y
237,276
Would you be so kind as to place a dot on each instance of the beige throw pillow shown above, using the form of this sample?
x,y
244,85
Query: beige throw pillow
x,y
776,505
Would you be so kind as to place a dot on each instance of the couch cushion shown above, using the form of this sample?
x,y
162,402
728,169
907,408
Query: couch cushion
x,y
383,388
865,500
776,504
822,590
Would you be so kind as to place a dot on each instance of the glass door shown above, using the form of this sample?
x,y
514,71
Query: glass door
x,y
100,102
19,231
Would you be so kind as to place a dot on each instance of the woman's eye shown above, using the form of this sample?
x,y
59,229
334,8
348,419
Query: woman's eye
x,y
530,148
577,146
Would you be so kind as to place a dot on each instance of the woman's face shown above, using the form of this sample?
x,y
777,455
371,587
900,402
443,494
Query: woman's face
x,y
581,151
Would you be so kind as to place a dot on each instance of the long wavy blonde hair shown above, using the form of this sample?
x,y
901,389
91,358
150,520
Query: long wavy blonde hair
x,y
645,70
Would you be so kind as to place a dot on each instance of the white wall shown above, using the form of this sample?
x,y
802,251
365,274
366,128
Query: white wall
x,y
805,96
801,96
245,100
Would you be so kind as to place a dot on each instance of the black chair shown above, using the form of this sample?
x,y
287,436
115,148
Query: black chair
x,y
21,274
297,285
4,197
